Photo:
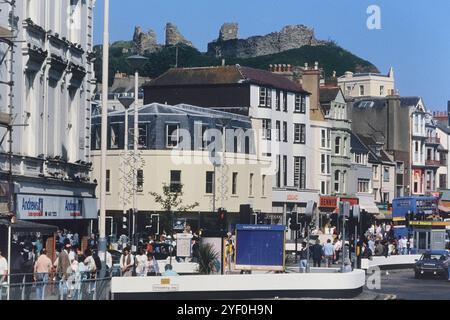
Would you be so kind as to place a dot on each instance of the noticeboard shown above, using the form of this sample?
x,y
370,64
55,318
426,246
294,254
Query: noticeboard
x,y
260,247
184,245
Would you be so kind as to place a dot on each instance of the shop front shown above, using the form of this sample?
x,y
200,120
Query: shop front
x,y
288,201
66,206
71,213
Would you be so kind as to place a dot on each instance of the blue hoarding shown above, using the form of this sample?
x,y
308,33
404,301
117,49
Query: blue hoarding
x,y
260,247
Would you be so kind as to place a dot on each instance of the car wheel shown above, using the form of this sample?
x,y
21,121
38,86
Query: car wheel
x,y
417,275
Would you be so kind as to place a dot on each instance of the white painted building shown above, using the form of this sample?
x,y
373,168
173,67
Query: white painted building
x,y
367,84
290,124
51,69
443,173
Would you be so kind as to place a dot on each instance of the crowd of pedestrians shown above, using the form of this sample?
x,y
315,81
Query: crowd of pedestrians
x,y
72,273
379,240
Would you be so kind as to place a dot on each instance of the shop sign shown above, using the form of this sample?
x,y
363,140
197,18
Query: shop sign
x,y
328,202
429,223
292,197
352,201
36,207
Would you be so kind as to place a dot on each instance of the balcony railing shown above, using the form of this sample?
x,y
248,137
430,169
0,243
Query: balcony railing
x,y
433,140
433,163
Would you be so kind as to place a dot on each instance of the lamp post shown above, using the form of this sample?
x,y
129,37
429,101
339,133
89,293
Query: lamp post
x,y
136,62
104,136
126,102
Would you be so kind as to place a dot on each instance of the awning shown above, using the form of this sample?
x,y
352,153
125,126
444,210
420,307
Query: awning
x,y
28,227
384,215
443,208
368,204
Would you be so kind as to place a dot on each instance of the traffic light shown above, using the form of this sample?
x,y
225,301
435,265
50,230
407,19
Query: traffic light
x,y
288,218
294,222
223,215
260,218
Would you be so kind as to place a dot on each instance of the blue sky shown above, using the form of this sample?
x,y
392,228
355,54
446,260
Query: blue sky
x,y
414,37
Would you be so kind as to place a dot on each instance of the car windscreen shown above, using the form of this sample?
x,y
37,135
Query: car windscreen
x,y
434,257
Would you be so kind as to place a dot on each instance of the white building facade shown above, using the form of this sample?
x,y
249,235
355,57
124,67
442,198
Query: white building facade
x,y
367,84
52,80
286,116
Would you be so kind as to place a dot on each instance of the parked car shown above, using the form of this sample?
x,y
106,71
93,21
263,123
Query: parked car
x,y
433,263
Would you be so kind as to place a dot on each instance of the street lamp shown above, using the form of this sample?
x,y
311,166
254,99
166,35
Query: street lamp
x,y
136,62
126,102
104,137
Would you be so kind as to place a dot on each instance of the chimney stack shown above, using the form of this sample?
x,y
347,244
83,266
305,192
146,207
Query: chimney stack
x,y
311,83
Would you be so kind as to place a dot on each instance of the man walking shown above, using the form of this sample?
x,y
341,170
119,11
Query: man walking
x,y
304,258
404,242
328,250
42,269
317,254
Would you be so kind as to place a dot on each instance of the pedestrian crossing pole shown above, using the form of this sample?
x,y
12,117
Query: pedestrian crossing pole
x,y
345,211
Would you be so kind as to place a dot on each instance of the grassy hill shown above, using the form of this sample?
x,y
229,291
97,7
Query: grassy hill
x,y
331,58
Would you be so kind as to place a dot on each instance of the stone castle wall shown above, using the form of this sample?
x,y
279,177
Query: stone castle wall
x,y
290,37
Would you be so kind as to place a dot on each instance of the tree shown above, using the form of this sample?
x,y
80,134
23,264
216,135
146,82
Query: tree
x,y
171,201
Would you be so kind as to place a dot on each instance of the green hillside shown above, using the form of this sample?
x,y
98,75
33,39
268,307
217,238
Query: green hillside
x,y
331,58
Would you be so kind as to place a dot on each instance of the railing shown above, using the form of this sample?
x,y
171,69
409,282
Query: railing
x,y
433,163
78,286
433,140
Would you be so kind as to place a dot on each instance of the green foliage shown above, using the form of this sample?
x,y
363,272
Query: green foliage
x,y
207,259
331,57
172,203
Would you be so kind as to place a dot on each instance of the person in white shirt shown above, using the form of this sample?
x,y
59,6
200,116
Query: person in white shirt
x,y
3,272
109,262
151,266
337,250
404,242
141,260
411,245
72,254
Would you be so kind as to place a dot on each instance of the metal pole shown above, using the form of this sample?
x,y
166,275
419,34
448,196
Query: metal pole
x,y
104,137
296,246
343,238
9,261
307,249
356,245
136,141
157,230
214,188
124,164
